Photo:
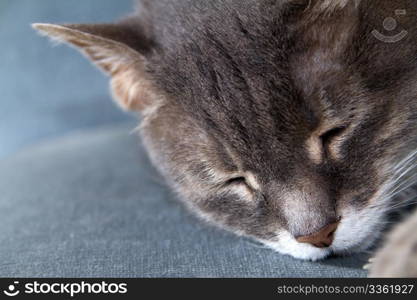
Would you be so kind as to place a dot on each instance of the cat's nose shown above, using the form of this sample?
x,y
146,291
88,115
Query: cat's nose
x,y
322,238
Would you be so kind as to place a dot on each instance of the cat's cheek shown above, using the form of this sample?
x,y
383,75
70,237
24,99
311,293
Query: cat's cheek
x,y
358,230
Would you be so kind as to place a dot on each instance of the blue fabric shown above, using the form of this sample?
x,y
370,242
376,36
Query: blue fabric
x,y
47,91
92,205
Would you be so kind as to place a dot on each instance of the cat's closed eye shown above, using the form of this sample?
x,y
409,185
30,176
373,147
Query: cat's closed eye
x,y
328,137
326,144
331,143
236,180
248,181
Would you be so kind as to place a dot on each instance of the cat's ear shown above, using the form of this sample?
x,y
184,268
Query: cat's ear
x,y
112,50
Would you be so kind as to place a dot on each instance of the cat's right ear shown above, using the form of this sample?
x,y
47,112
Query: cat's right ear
x,y
106,46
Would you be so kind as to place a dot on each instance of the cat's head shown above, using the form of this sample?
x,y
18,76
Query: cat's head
x,y
287,121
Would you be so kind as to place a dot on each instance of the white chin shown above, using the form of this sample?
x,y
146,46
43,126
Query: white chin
x,y
286,244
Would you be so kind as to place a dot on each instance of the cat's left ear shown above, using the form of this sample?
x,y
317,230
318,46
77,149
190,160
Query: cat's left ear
x,y
107,45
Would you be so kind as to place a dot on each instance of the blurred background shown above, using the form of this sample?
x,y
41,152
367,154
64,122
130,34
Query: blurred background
x,y
48,91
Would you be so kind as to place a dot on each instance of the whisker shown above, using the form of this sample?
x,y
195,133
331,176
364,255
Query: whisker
x,y
403,186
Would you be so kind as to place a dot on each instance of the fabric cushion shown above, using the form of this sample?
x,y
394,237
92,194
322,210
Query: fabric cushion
x,y
91,205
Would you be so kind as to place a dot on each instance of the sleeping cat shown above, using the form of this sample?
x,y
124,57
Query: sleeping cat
x,y
292,122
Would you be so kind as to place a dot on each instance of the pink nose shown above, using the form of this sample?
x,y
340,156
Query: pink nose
x,y
321,239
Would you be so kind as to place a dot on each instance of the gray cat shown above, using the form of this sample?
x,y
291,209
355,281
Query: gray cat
x,y
292,122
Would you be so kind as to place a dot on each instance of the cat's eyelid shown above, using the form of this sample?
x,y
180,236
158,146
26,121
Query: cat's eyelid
x,y
327,136
247,178
236,180
326,142
333,139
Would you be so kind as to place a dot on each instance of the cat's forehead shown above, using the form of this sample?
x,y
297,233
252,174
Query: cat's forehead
x,y
234,72
237,57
